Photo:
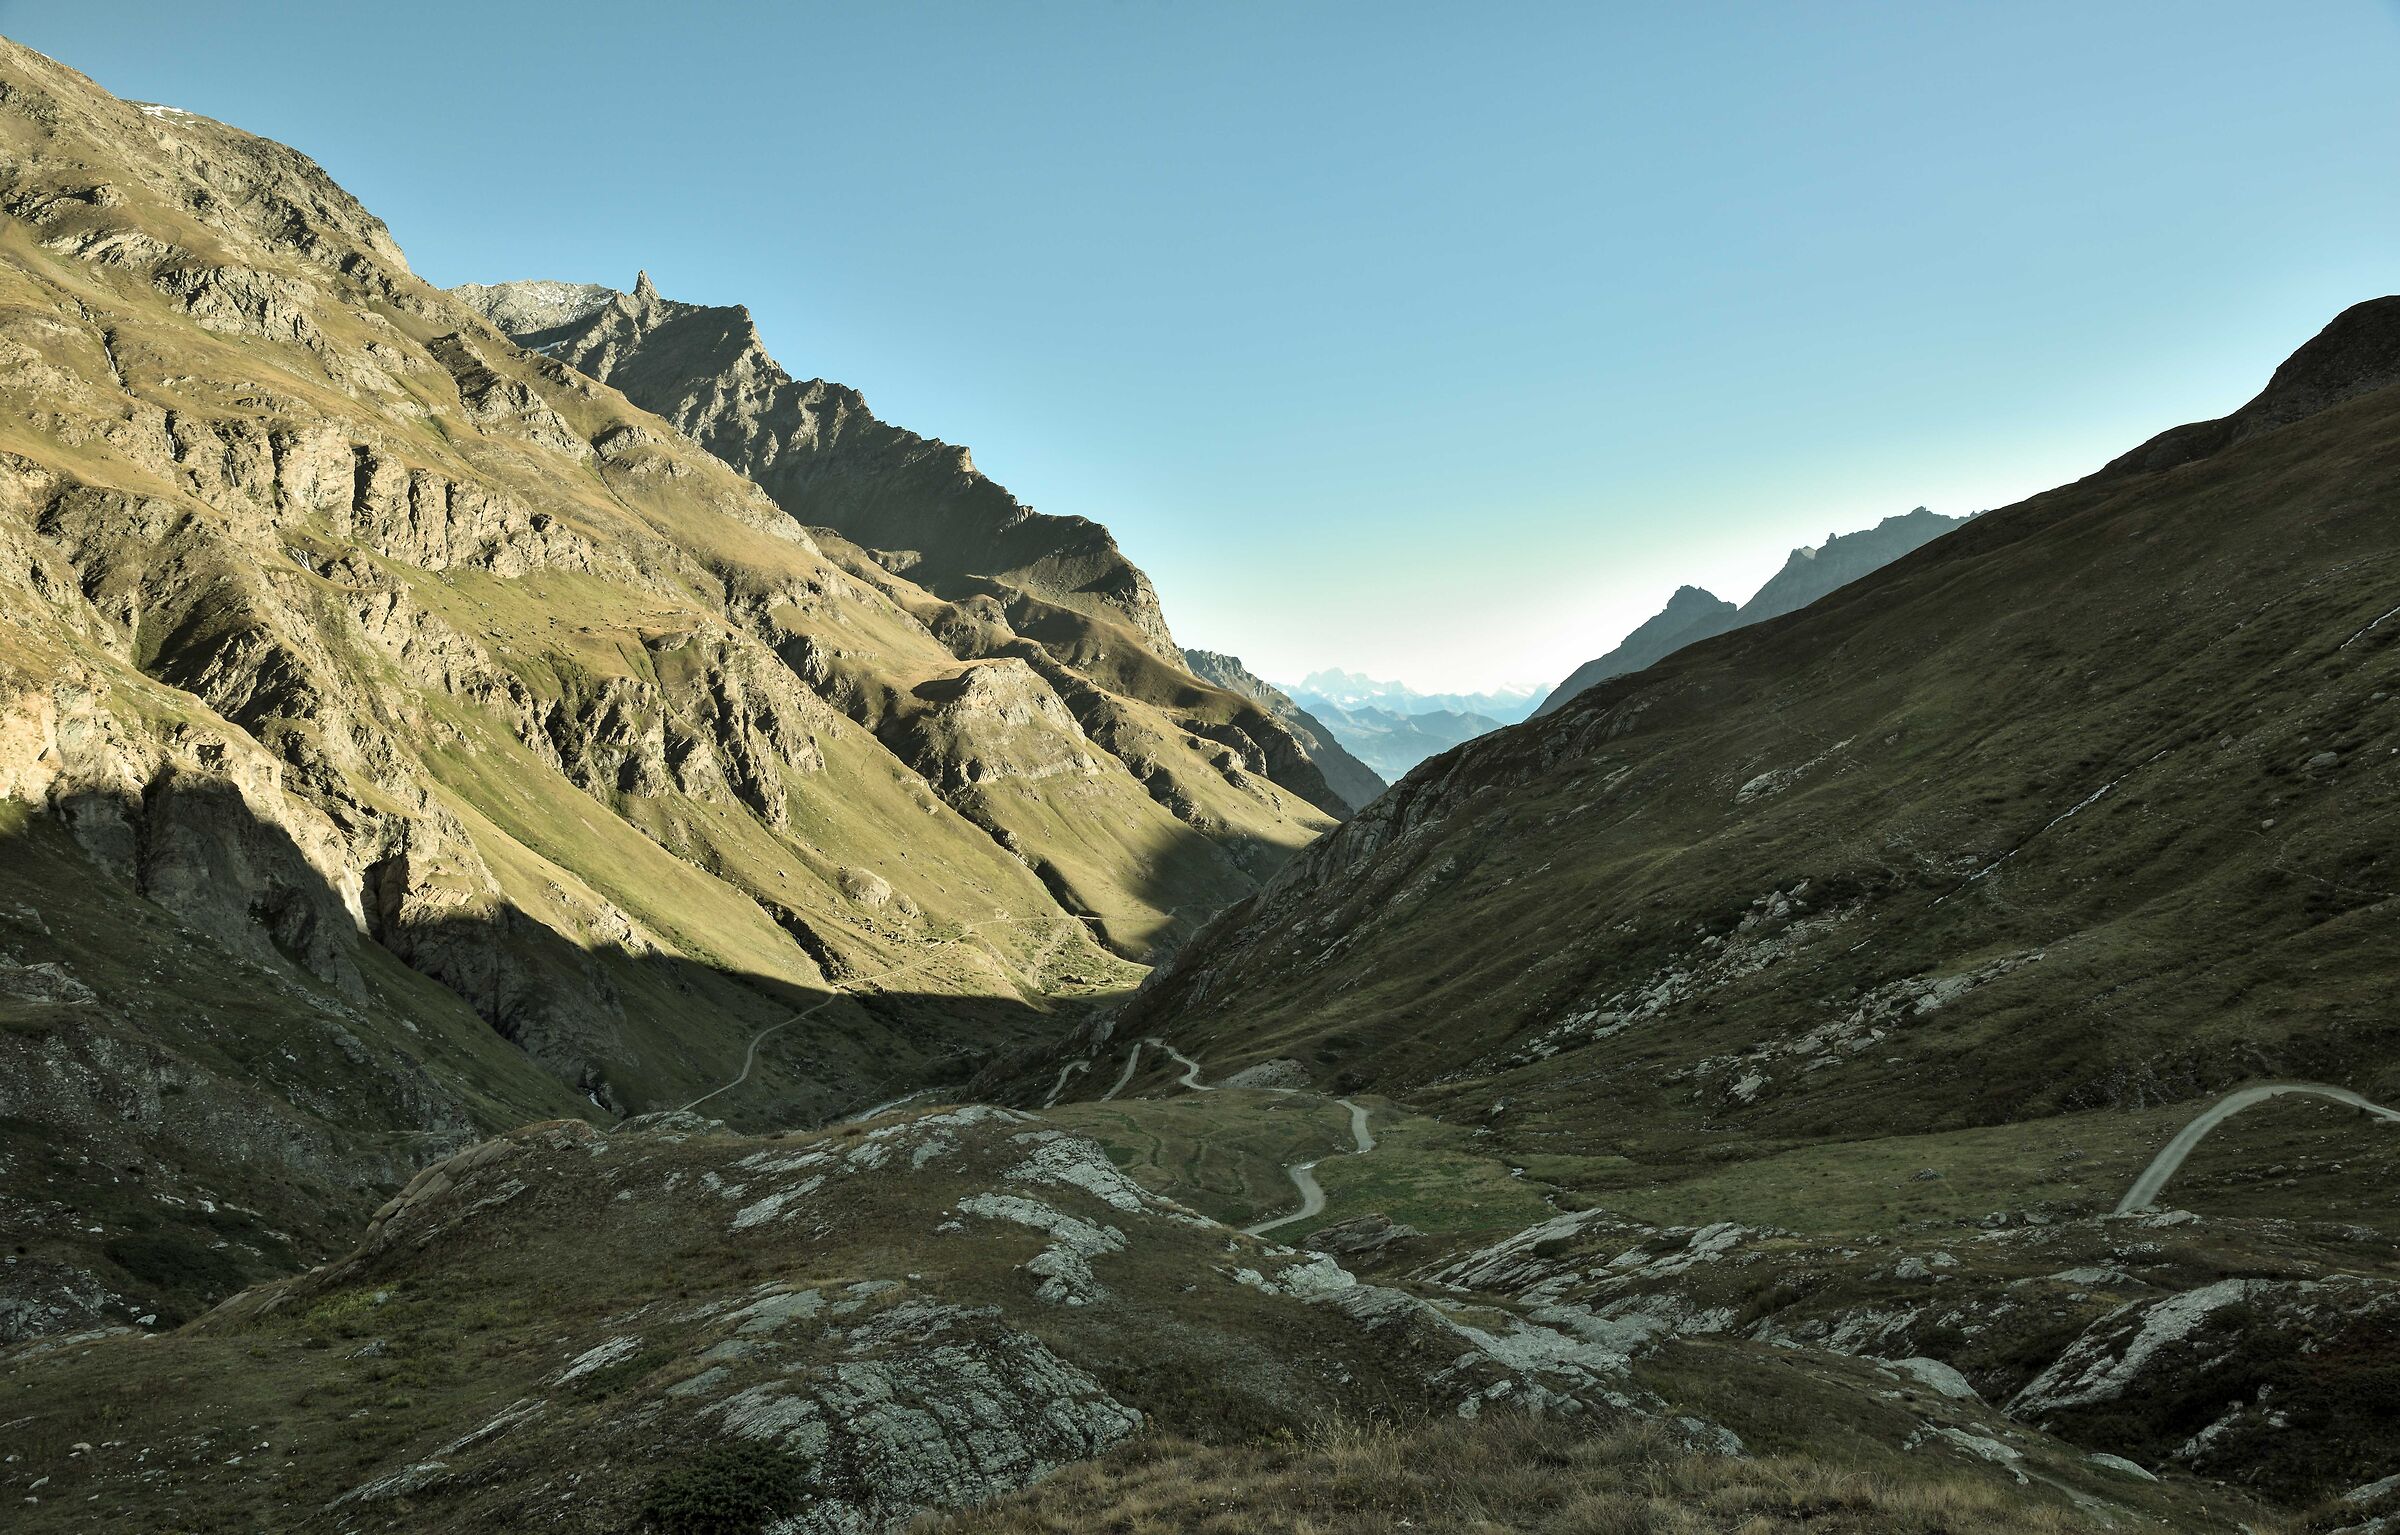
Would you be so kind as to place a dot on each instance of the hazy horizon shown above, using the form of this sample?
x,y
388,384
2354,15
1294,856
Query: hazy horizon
x,y
1435,348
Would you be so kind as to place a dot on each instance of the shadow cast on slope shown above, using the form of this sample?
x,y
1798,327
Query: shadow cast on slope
x,y
215,1061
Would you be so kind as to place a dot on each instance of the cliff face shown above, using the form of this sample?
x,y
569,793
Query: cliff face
x,y
1693,615
821,453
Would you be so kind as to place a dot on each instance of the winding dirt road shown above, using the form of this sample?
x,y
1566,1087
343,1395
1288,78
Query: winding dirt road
x,y
1060,1086
1133,1057
2153,1181
1304,1174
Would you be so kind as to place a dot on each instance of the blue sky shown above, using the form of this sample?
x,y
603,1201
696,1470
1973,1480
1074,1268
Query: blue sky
x,y
1437,342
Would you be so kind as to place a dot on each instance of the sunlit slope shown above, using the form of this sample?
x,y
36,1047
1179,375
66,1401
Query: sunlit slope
x,y
446,725
987,574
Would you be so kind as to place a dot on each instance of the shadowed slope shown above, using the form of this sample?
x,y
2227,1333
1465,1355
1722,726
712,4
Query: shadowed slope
x,y
2086,804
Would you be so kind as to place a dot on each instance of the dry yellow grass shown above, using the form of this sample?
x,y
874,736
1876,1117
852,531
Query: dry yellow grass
x,y
1523,1476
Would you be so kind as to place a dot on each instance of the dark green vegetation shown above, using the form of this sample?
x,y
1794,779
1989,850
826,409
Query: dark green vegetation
x,y
2084,809
731,1489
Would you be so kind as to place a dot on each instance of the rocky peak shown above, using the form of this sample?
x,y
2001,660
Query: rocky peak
x,y
824,456
1808,573
1060,583
524,308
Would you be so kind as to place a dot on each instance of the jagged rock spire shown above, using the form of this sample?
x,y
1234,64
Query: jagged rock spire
x,y
642,288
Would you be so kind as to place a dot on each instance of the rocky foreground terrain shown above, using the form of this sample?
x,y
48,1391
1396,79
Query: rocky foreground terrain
x,y
837,1330
571,908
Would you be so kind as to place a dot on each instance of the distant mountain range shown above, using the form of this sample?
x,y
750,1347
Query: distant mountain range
x,y
1392,727
1694,614
1352,690
1391,742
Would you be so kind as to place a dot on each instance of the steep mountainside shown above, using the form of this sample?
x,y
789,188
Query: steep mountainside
x,y
1350,778
463,743
1930,914
2086,805
821,453
1693,615
1005,581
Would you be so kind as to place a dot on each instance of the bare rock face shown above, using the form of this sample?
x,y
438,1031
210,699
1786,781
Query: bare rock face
x,y
2278,1383
997,720
819,451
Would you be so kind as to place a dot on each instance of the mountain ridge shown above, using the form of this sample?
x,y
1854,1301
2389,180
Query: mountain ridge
x,y
1054,591
1807,573
1353,780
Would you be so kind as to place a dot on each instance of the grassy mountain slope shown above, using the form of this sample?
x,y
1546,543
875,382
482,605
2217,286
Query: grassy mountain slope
x,y
465,726
2086,806
1006,580
1834,979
